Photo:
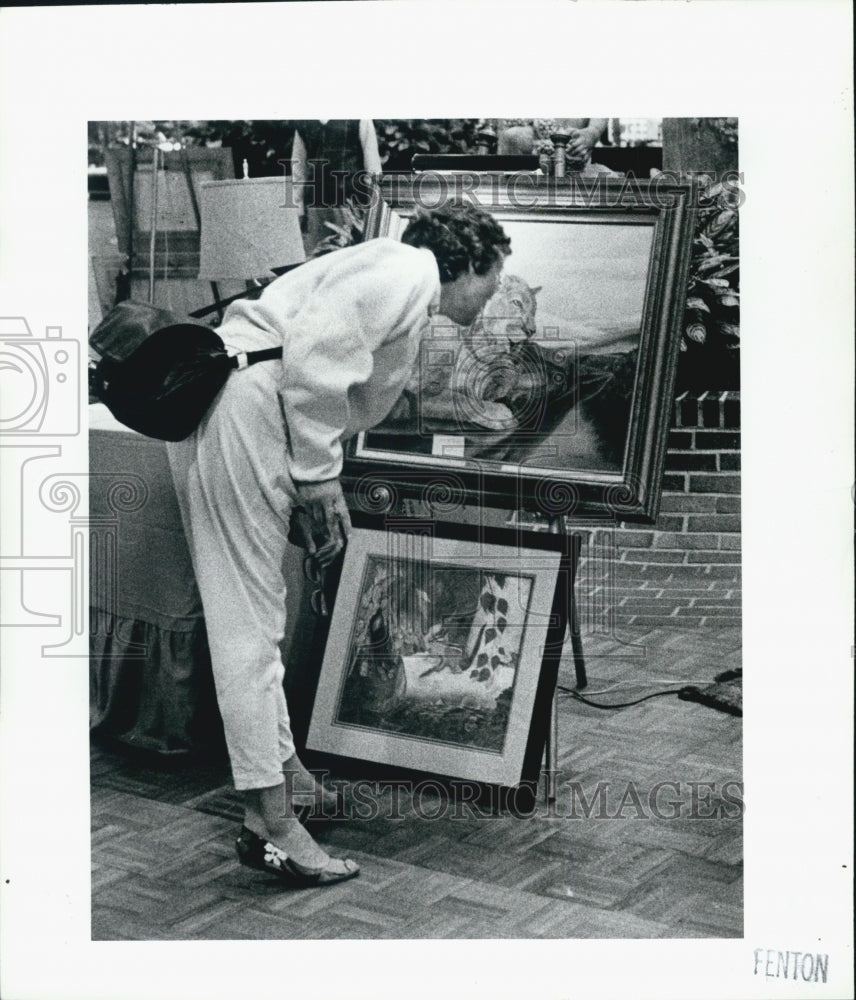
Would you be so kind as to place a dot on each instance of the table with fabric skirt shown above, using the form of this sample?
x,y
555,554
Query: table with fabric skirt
x,y
151,686
150,673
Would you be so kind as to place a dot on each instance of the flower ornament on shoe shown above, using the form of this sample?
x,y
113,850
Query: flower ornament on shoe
x,y
274,857
256,852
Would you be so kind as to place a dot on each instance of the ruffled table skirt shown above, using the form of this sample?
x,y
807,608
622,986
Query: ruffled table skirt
x,y
151,688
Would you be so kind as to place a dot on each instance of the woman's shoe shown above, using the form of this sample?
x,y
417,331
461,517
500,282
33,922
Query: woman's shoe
x,y
251,849
256,852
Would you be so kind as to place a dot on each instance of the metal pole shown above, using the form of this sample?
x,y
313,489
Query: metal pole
x,y
551,753
551,745
132,145
154,224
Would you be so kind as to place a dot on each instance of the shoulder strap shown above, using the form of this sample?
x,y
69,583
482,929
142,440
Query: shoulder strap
x,y
246,358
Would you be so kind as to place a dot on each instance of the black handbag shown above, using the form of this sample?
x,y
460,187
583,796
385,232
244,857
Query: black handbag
x,y
159,374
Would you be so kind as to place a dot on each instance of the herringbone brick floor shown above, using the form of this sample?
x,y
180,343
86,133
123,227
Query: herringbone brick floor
x,y
619,854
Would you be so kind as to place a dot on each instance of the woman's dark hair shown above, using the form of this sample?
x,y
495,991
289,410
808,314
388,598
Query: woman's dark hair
x,y
459,236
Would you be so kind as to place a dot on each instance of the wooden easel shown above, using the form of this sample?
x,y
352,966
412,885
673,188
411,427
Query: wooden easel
x,y
551,746
152,232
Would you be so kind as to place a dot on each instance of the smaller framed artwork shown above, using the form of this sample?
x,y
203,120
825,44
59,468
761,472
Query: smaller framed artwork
x,y
443,651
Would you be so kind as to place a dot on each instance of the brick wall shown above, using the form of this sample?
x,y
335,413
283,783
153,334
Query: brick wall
x,y
684,570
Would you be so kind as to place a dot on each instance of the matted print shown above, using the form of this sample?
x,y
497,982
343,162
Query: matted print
x,y
435,654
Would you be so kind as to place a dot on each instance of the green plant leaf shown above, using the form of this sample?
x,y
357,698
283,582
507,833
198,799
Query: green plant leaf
x,y
696,303
728,269
711,263
729,330
727,217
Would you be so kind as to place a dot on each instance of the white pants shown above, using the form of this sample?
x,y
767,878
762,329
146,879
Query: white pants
x,y
235,497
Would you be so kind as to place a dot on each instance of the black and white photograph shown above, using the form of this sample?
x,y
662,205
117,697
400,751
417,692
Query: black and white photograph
x,y
535,364
527,348
399,563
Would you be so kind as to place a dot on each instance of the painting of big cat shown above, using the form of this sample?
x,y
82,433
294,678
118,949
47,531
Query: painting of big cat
x,y
545,377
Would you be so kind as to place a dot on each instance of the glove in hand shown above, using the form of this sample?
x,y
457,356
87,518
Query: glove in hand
x,y
320,522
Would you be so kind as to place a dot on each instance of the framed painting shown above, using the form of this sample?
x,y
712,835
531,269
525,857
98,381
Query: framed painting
x,y
443,652
558,398
170,197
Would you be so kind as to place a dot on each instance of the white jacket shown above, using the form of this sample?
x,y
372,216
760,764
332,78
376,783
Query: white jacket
x,y
350,324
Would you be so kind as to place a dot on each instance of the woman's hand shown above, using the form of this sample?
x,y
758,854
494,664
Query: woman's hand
x,y
320,522
581,143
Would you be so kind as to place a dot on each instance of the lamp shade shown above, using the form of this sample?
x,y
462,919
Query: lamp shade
x,y
248,227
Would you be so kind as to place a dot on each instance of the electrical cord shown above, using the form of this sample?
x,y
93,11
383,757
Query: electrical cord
x,y
596,694
688,692
623,704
